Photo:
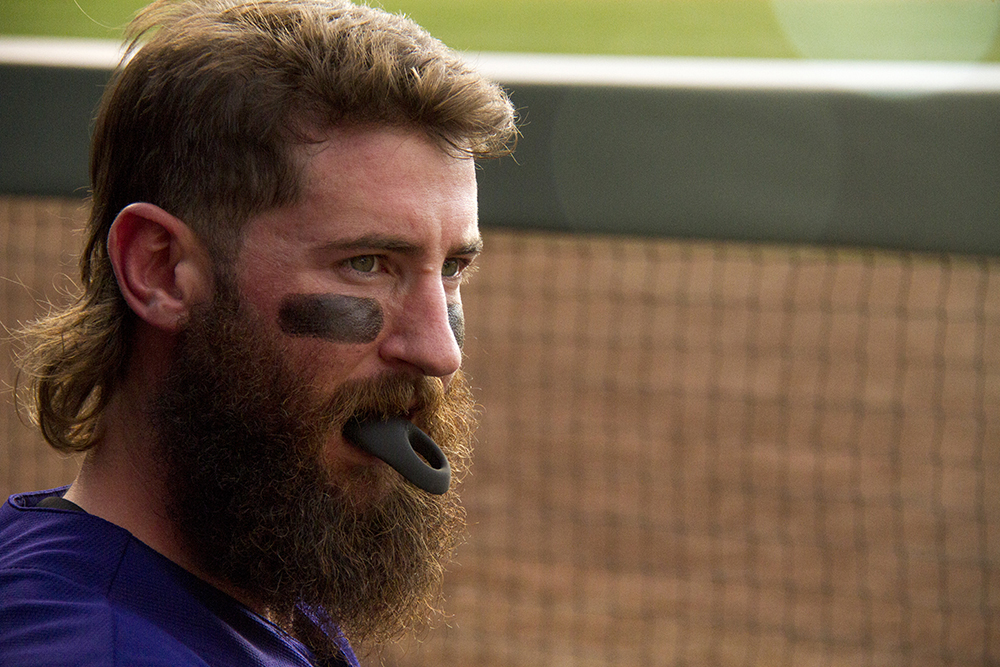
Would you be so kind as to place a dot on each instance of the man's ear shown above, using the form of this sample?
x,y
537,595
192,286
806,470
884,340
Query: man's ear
x,y
162,268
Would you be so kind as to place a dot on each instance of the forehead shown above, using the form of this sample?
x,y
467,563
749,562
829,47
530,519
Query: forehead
x,y
387,184
364,180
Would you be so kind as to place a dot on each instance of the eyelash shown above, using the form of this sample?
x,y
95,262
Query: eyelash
x,y
462,265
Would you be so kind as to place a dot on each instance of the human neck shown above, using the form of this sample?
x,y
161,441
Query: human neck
x,y
118,479
119,482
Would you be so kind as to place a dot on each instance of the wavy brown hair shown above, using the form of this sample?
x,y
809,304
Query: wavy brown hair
x,y
203,118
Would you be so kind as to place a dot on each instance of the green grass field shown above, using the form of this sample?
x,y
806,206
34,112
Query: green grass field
x,y
963,30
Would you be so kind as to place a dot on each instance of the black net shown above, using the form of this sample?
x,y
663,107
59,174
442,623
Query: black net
x,y
697,453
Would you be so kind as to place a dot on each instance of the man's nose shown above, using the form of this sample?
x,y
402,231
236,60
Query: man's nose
x,y
424,332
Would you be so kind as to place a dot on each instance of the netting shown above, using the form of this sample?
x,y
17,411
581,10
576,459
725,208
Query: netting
x,y
38,250
697,453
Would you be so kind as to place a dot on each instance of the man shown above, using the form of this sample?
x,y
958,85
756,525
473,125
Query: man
x,y
270,330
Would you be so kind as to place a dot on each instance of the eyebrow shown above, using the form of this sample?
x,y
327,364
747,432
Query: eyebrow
x,y
473,248
393,244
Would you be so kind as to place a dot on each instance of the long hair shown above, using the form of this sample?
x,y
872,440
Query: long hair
x,y
203,118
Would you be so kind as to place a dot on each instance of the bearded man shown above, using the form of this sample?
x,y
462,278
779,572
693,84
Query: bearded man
x,y
264,365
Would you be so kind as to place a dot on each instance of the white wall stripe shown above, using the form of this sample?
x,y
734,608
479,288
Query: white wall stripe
x,y
626,71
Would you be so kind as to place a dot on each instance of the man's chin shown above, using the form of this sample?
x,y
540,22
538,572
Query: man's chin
x,y
364,486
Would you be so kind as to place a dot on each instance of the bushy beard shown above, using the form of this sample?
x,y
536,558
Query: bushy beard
x,y
242,440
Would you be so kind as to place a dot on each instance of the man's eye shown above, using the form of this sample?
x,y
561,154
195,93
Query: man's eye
x,y
452,267
363,263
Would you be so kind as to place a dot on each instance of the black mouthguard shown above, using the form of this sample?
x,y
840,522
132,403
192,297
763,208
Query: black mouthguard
x,y
398,442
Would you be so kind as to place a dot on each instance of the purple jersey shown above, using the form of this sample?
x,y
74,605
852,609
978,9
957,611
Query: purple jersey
x,y
77,590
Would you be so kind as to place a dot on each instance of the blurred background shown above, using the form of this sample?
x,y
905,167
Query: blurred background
x,y
736,333
855,29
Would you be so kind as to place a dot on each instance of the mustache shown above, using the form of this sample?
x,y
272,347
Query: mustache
x,y
382,397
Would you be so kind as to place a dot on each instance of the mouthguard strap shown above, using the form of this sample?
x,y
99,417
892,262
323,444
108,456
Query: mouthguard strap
x,y
400,443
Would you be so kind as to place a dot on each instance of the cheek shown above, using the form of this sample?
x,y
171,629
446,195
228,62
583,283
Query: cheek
x,y
332,317
456,319
345,319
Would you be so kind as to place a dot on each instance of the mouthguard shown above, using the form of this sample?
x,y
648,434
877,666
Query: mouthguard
x,y
400,443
